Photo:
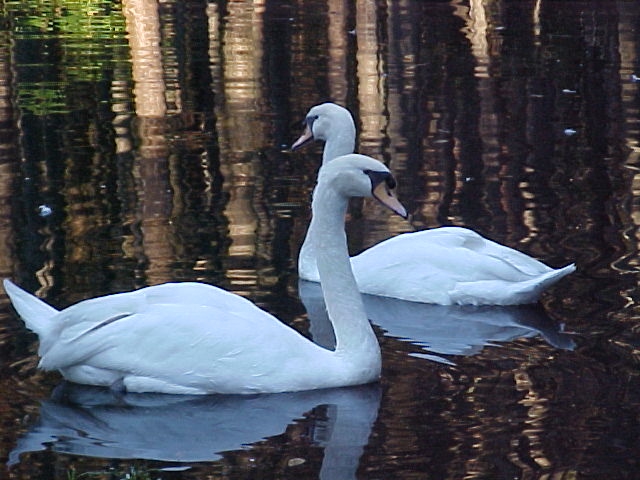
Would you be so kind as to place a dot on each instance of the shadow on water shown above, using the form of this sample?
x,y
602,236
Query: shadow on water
x,y
439,329
95,422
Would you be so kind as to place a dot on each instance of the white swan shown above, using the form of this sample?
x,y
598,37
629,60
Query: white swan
x,y
446,265
191,338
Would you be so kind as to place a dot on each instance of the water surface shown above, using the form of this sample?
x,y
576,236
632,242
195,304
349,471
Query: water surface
x,y
145,142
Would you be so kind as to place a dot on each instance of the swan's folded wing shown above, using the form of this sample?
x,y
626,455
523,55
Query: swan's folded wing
x,y
451,265
193,293
168,340
453,253
473,242
95,313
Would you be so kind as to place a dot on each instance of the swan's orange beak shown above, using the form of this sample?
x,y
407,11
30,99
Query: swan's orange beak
x,y
305,138
388,198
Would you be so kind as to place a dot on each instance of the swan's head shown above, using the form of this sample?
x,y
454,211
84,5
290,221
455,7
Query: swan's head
x,y
327,122
357,175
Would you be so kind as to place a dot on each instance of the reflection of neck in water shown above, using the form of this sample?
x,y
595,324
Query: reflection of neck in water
x,y
93,421
440,329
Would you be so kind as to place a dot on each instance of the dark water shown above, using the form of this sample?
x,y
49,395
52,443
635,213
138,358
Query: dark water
x,y
142,143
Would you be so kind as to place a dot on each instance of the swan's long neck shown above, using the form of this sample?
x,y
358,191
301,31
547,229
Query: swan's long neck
x,y
342,298
341,141
307,267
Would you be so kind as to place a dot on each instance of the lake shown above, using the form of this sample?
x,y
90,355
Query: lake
x,y
143,142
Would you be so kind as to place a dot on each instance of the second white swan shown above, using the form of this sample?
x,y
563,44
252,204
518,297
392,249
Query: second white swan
x,y
445,266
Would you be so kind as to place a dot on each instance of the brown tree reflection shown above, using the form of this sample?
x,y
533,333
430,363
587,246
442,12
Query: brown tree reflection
x,y
242,134
151,154
8,154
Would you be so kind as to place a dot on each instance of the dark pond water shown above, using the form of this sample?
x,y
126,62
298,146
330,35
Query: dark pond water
x,y
143,142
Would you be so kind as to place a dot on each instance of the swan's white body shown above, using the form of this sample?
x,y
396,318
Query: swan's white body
x,y
191,338
445,266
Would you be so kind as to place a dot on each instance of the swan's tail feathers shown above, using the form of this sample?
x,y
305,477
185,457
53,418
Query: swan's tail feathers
x,y
530,291
35,313
556,275
493,292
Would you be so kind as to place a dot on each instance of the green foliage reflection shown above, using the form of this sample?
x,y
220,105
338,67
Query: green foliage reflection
x,y
58,44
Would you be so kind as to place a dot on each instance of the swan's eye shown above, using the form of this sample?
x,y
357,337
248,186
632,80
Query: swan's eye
x,y
391,182
310,119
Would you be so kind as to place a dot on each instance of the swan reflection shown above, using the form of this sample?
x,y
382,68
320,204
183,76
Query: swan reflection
x,y
441,329
95,422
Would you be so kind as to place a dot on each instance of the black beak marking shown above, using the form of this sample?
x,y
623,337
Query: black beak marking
x,y
309,121
378,177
